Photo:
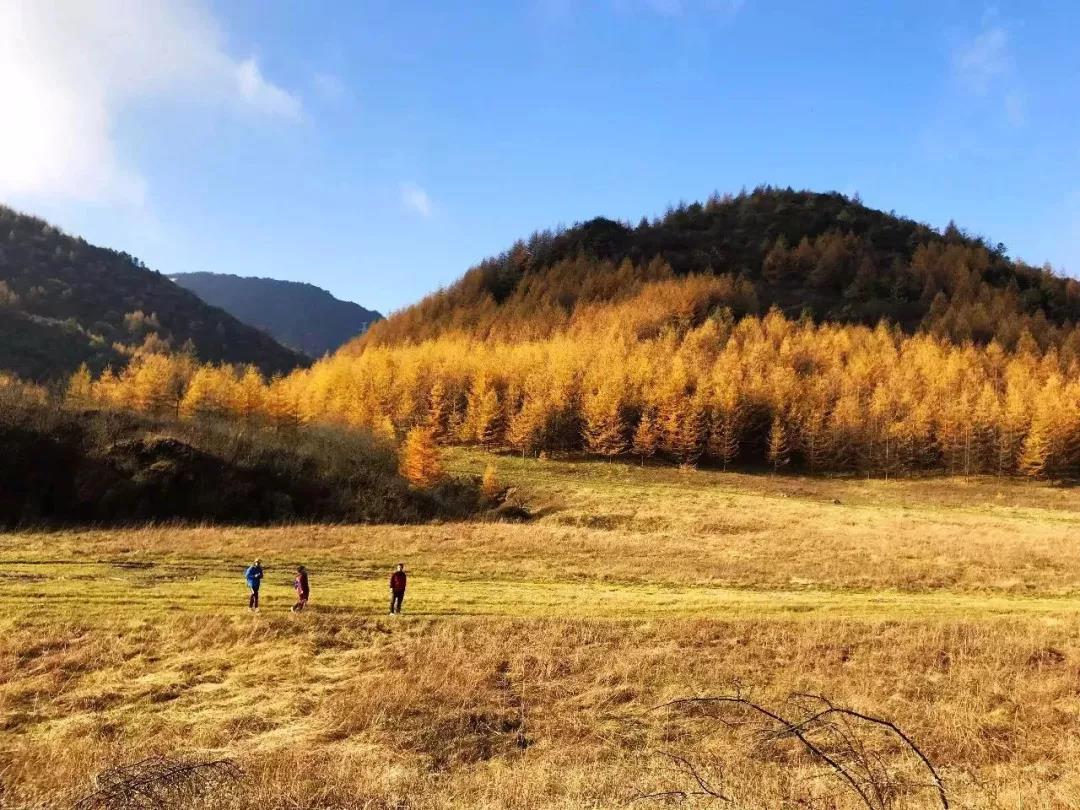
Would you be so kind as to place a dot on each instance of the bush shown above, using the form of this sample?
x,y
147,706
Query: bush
x,y
101,466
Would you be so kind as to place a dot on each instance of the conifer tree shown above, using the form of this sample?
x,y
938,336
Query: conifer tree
x,y
282,409
247,400
80,388
524,432
438,416
207,394
646,435
779,450
690,430
489,484
814,437
384,430
484,418
1035,455
420,460
1014,425
604,427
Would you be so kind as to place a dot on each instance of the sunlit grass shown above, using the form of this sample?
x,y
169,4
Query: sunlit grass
x,y
948,606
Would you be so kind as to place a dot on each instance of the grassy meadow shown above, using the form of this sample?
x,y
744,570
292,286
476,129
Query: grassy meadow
x,y
530,657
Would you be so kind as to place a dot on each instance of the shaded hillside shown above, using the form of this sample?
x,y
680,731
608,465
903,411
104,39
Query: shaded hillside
x,y
295,314
64,302
825,255
70,464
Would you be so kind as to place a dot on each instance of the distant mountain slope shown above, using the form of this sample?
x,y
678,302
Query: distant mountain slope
x,y
299,315
822,254
64,302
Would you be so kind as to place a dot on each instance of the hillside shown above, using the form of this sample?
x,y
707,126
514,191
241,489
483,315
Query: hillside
x,y
825,255
65,463
64,302
295,314
583,342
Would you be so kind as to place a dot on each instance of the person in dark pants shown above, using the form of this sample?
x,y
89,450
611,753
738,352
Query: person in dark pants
x,y
397,588
254,575
303,590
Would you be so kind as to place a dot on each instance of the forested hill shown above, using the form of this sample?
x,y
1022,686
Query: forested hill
x,y
64,302
299,315
821,254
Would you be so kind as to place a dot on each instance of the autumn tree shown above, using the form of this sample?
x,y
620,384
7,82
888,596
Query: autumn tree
x,y
646,435
814,437
80,388
688,430
281,404
439,411
484,418
248,398
526,427
604,423
779,450
725,426
1036,452
489,484
208,394
420,460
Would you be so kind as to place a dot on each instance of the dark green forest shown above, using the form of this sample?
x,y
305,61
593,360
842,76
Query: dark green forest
x,y
64,302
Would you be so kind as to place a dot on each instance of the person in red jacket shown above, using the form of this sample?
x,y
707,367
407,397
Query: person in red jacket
x,y
303,590
397,588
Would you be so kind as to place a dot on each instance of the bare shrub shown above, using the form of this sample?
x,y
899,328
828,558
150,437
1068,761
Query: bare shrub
x,y
869,758
159,783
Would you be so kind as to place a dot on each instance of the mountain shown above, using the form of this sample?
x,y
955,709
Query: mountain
x,y
64,302
823,255
300,315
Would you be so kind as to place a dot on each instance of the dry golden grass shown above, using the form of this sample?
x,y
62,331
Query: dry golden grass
x,y
524,669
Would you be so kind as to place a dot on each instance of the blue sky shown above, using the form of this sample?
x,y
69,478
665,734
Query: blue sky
x,y
378,149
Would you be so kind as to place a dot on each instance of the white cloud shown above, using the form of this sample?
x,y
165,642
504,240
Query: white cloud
x,y
69,68
263,95
983,59
416,199
983,68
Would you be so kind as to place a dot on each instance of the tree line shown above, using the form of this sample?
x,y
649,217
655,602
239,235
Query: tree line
x,y
669,372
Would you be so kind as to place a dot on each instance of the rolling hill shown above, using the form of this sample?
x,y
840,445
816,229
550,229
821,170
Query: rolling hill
x,y
64,302
819,254
296,314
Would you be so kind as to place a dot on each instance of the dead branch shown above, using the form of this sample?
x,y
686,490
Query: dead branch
x,y
684,766
830,735
158,783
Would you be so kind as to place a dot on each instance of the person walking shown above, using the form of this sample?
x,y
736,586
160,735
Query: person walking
x,y
397,588
303,590
254,575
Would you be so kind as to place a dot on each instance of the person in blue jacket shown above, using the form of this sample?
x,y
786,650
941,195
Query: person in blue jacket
x,y
254,575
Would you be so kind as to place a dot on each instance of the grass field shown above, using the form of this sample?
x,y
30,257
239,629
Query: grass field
x,y
524,669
